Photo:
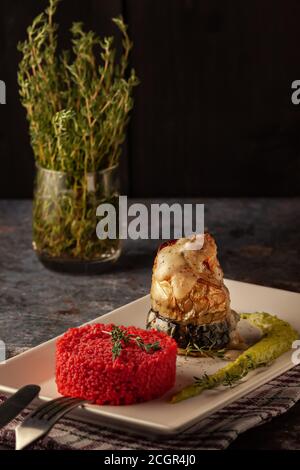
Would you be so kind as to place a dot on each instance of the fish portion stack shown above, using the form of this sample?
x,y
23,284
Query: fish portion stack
x,y
189,300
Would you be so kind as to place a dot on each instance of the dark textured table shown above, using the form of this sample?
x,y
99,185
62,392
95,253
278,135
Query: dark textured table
x,y
258,242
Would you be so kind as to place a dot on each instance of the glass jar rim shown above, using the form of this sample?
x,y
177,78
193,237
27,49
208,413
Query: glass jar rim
x,y
100,172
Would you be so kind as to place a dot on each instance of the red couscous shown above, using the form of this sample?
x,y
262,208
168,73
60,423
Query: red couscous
x,y
86,366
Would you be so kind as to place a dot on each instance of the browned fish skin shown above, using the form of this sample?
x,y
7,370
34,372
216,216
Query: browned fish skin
x,y
209,336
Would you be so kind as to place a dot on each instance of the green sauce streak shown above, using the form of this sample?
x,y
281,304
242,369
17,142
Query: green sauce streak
x,y
278,338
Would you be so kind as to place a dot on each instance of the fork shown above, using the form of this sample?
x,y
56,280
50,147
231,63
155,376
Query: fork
x,y
42,419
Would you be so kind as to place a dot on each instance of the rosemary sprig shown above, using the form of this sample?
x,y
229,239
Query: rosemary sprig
x,y
120,339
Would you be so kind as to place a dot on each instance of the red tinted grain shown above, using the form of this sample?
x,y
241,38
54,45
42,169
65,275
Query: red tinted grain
x,y
85,366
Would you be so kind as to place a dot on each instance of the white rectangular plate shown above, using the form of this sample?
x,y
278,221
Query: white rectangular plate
x,y
158,417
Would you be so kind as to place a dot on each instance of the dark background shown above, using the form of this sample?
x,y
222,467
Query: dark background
x,y
213,114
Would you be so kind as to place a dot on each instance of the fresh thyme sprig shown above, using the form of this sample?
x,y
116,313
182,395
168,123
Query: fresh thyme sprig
x,y
120,339
193,348
229,380
78,104
148,347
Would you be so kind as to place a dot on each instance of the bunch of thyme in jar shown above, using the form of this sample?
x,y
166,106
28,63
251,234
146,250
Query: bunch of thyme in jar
x,y
78,104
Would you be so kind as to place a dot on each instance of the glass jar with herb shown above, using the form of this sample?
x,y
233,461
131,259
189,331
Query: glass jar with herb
x,y
78,104
64,220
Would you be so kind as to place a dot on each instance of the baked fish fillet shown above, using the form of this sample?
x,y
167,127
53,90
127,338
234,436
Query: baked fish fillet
x,y
189,299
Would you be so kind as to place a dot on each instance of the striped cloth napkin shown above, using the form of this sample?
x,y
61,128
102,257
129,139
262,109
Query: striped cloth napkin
x,y
216,432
